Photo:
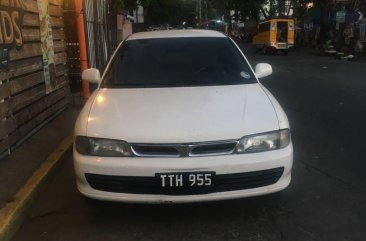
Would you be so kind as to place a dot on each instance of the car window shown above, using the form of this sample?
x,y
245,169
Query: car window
x,y
168,62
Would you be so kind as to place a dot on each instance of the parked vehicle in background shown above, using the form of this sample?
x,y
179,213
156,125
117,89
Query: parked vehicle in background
x,y
275,35
159,27
216,25
180,116
238,32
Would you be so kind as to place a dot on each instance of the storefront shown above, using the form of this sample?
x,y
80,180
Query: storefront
x,y
33,71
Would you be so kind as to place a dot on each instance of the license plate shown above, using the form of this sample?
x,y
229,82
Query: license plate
x,y
186,183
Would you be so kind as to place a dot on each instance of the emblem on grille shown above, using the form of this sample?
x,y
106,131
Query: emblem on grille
x,y
184,150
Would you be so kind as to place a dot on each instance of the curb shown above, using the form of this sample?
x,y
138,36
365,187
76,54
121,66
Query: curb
x,y
14,212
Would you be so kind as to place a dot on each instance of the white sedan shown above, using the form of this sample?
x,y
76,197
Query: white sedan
x,y
180,116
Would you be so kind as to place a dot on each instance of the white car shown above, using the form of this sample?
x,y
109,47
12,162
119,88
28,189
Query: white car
x,y
180,116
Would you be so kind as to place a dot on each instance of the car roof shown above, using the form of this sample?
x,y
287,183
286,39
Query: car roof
x,y
176,34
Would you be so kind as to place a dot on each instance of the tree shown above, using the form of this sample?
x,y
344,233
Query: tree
x,y
173,12
251,9
324,7
128,5
278,8
243,10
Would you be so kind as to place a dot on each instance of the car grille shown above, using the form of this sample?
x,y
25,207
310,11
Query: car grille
x,y
184,150
149,185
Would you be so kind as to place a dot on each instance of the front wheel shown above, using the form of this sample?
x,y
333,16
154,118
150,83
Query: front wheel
x,y
256,49
270,50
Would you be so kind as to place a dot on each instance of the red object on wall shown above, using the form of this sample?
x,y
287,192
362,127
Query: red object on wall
x,y
82,45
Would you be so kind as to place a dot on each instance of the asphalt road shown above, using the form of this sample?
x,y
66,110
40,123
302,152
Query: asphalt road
x,y
325,100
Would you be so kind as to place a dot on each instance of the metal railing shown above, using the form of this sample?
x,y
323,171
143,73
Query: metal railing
x,y
97,33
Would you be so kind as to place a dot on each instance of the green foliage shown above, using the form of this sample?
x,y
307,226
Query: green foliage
x,y
173,12
128,5
324,3
249,9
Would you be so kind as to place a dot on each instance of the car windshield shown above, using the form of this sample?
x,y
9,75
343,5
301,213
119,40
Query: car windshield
x,y
169,62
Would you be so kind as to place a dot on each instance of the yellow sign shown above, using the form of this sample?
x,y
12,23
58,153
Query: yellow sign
x,y
48,53
11,22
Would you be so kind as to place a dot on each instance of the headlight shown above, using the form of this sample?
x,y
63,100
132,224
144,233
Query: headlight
x,y
264,142
101,147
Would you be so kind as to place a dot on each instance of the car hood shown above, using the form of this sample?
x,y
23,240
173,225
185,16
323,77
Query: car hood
x,y
181,114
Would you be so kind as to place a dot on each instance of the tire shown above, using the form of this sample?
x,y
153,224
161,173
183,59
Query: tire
x,y
256,49
271,50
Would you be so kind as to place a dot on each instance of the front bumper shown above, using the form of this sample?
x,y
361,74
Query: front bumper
x,y
148,167
283,46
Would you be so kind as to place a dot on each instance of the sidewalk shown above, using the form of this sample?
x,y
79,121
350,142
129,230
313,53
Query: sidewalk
x,y
23,172
359,57
16,168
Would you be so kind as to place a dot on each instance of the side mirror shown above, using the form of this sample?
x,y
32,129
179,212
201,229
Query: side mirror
x,y
263,70
92,75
